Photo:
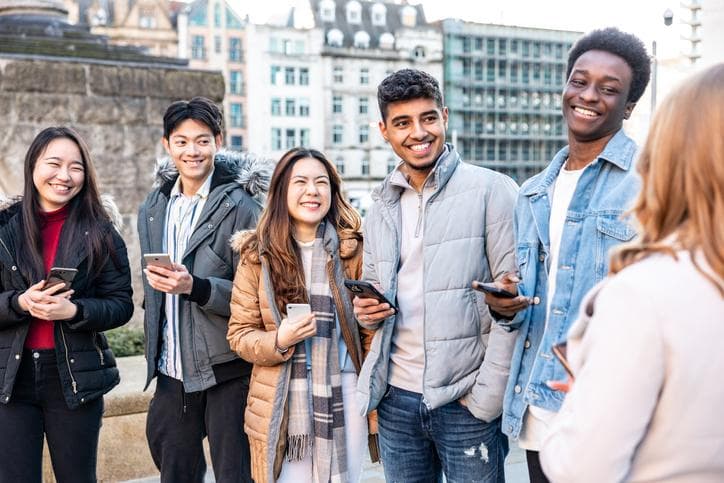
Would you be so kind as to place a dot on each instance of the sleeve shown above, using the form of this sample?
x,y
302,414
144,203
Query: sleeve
x,y
10,312
247,334
369,270
606,414
112,303
485,399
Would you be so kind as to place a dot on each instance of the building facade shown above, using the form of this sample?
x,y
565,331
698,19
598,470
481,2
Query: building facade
x,y
503,88
363,42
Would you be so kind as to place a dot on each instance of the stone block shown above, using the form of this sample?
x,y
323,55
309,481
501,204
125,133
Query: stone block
x,y
44,76
187,84
104,80
111,110
44,109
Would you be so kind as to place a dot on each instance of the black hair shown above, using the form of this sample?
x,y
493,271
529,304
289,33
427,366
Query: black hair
x,y
407,84
627,46
199,109
87,220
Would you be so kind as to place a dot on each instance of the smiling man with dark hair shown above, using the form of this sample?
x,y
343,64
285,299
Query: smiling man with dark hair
x,y
568,217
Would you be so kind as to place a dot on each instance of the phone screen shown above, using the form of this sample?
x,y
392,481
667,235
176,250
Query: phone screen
x,y
60,275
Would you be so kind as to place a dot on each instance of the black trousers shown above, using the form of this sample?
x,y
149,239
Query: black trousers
x,y
178,422
535,472
36,409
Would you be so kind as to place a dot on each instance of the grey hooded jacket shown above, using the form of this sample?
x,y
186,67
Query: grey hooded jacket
x,y
468,235
238,185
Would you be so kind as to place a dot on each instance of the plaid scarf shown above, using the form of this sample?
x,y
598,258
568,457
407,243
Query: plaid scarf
x,y
322,431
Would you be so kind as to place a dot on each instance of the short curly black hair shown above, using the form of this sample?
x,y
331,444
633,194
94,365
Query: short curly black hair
x,y
627,46
406,84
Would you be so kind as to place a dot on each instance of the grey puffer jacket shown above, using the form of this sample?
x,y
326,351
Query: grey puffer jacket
x,y
468,235
238,186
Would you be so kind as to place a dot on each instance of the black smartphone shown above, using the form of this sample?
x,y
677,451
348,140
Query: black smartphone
x,y
60,275
559,350
366,290
492,289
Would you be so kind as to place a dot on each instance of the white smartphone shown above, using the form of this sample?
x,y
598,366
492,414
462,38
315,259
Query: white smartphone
x,y
296,311
158,259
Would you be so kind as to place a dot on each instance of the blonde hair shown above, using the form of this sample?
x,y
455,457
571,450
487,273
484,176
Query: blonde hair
x,y
682,166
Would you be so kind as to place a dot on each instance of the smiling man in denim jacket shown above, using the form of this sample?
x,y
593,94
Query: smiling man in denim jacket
x,y
567,219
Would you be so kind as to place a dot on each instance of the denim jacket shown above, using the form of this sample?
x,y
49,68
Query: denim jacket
x,y
593,226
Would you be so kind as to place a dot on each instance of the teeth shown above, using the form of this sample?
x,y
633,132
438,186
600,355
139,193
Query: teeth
x,y
420,147
585,112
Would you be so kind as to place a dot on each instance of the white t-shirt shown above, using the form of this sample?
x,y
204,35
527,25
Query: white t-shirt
x,y
536,420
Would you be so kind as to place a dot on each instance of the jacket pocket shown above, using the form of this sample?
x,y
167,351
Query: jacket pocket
x,y
610,232
209,264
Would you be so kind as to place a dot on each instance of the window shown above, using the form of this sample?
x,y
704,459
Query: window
x,y
419,52
337,134
362,40
326,8
363,105
198,47
217,15
365,167
337,104
236,82
304,107
237,143
276,139
290,107
338,74
354,12
289,76
379,14
339,164
276,107
391,164
235,49
304,137
146,18
217,44
291,138
303,76
364,76
364,133
237,119
275,71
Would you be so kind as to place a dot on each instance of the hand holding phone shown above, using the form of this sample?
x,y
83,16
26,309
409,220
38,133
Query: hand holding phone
x,y
366,290
60,275
158,260
491,288
298,325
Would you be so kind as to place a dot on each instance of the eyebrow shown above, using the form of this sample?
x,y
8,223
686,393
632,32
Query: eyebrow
x,y
181,136
323,176
406,116
76,161
606,77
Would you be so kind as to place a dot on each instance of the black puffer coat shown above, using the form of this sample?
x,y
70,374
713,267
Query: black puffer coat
x,y
85,362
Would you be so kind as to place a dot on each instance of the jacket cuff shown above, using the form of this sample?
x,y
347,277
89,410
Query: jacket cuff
x,y
15,304
509,325
200,291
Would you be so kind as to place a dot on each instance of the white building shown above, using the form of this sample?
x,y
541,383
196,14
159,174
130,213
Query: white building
x,y
285,104
363,42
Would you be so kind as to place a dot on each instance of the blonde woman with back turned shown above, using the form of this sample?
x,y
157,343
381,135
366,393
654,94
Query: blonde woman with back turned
x,y
646,350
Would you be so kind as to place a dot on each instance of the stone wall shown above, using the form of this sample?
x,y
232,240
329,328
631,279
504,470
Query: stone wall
x,y
118,109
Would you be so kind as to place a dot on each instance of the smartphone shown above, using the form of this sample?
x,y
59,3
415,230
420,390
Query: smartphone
x,y
296,311
366,290
158,259
559,350
60,275
492,289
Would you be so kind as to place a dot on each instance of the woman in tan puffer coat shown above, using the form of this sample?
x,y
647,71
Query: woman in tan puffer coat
x,y
307,242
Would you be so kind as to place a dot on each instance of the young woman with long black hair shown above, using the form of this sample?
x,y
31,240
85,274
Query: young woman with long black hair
x,y
55,363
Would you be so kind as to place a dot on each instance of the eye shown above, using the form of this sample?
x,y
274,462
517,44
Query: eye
x,y
430,119
77,169
402,124
204,142
609,90
54,164
577,82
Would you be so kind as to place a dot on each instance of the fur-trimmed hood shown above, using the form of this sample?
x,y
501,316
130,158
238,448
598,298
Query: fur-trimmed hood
x,y
109,205
251,172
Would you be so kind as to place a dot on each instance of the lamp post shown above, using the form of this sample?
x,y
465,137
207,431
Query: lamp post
x,y
668,20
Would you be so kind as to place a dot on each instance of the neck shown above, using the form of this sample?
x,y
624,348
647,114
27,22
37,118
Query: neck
x,y
416,177
189,187
305,233
582,153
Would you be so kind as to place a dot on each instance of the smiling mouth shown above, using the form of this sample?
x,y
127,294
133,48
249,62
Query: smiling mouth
x,y
311,204
585,112
60,188
420,148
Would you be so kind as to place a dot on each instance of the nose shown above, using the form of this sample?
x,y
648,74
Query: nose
x,y
63,173
589,93
418,131
312,188
193,148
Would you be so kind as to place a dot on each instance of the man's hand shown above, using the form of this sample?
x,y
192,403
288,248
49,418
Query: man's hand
x,y
370,311
48,303
509,307
562,386
291,332
176,281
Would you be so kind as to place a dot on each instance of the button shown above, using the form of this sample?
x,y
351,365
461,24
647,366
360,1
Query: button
x,y
527,344
209,226
82,399
510,428
17,357
7,398
72,361
150,218
227,204
14,268
541,258
517,389
36,355
536,300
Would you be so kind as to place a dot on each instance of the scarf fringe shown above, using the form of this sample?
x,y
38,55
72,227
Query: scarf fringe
x,y
298,446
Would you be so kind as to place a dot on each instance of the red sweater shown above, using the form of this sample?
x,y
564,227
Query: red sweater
x,y
40,334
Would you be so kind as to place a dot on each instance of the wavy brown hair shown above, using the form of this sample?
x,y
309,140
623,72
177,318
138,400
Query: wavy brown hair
x,y
682,166
273,238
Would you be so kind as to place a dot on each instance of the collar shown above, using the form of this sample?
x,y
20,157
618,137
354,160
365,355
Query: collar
x,y
203,191
619,151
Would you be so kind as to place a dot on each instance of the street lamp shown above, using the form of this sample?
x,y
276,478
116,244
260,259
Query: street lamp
x,y
668,20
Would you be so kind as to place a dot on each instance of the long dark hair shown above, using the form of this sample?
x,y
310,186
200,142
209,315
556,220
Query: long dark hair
x,y
87,222
273,238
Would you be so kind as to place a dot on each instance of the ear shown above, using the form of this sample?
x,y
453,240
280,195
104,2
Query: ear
x,y
383,130
629,109
219,139
166,145
445,115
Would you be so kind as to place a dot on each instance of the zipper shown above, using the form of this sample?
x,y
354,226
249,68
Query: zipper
x,y
67,360
420,212
98,349
346,334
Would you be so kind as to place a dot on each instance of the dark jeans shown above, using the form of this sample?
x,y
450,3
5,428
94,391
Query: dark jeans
x,y
37,408
178,422
419,444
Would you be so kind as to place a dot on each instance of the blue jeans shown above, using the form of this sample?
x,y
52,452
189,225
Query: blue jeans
x,y
419,444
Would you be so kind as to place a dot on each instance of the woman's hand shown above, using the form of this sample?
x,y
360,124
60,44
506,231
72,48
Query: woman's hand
x,y
291,332
49,303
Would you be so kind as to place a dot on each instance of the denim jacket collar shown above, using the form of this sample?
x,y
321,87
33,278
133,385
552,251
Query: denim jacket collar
x,y
618,151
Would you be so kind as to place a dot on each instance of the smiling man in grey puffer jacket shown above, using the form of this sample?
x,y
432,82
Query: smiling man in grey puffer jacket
x,y
437,369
